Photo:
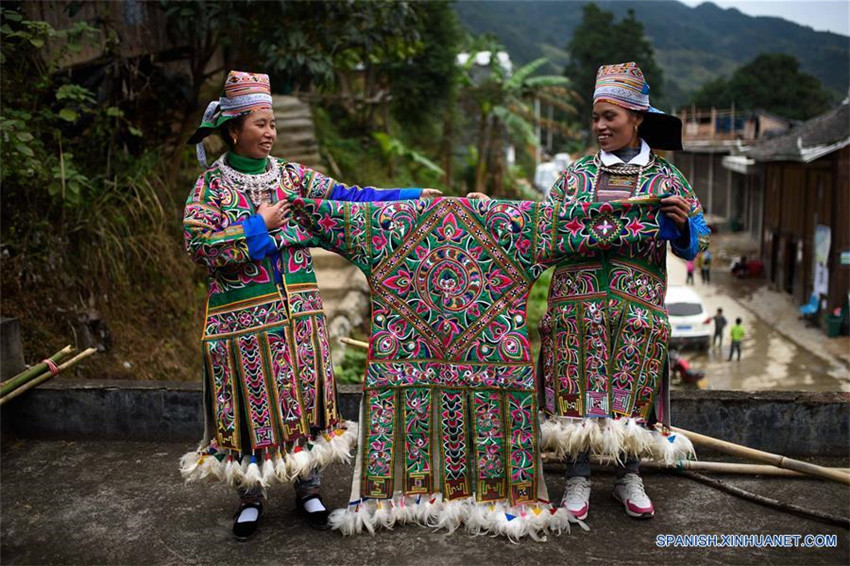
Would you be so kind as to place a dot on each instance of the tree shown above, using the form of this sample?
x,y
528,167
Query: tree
x,y
500,101
772,82
346,53
423,83
598,41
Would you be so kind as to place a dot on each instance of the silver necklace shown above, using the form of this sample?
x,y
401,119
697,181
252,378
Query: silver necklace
x,y
258,188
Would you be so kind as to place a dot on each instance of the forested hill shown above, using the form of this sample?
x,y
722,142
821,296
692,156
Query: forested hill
x,y
692,45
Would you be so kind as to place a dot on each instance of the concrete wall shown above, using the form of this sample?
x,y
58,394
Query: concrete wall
x,y
788,423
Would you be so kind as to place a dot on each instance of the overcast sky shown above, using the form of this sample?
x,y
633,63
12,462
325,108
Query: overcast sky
x,y
822,15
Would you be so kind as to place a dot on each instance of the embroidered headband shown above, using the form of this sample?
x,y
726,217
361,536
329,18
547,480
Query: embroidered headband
x,y
622,84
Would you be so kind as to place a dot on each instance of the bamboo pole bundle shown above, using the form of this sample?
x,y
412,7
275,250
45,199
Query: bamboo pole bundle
x,y
46,375
701,466
14,382
766,457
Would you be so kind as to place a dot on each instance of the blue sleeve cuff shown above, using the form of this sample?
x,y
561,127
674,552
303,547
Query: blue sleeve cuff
x,y
685,243
409,194
371,194
260,244
667,228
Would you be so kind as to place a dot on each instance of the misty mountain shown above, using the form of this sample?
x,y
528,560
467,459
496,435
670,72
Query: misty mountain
x,y
692,45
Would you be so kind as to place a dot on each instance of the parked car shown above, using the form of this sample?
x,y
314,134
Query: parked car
x,y
690,323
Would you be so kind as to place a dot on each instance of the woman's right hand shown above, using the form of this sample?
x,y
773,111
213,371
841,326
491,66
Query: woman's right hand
x,y
274,215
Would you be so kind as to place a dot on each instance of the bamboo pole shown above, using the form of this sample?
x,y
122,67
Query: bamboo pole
x,y
701,466
353,342
47,375
35,371
766,457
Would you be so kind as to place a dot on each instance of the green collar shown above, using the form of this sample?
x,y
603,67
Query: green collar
x,y
247,165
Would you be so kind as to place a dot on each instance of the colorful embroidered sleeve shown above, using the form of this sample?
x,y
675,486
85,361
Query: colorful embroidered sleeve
x,y
575,229
340,227
211,238
214,238
316,185
695,238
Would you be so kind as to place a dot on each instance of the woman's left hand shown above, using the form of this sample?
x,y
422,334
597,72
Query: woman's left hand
x,y
480,196
431,193
677,210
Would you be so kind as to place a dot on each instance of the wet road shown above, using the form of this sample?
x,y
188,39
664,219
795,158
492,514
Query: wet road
x,y
769,360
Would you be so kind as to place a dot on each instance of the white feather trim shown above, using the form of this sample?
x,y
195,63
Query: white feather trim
x,y
342,442
268,473
253,476
343,520
672,447
321,453
549,431
383,514
280,470
637,439
299,463
403,511
611,439
207,465
189,463
560,521
535,521
230,472
217,468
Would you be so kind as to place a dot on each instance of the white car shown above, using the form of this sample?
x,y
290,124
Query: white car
x,y
690,323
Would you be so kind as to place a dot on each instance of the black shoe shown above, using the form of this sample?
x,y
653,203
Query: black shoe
x,y
317,519
246,529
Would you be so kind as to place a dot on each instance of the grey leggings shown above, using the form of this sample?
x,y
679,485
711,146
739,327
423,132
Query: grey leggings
x,y
580,466
303,487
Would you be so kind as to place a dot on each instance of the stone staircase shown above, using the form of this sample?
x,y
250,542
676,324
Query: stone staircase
x,y
296,133
345,291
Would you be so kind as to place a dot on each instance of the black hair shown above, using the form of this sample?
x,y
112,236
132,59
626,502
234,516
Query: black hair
x,y
223,131
738,321
638,114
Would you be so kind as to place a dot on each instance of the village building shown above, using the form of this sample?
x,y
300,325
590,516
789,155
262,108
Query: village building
x,y
805,236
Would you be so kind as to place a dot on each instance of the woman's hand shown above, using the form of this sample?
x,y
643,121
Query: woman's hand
x,y
274,215
677,210
480,196
431,193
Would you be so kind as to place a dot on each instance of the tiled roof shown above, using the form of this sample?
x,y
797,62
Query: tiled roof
x,y
808,141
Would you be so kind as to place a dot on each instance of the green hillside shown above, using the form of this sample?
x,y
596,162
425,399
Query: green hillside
x,y
692,45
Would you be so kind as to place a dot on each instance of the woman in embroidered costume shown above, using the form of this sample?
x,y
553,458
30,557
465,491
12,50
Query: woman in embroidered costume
x,y
270,403
604,336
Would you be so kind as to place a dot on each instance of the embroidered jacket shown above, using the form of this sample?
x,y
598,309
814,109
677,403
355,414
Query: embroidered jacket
x,y
604,336
450,402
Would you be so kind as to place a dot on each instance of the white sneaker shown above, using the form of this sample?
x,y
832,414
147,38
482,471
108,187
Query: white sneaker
x,y
576,498
628,490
